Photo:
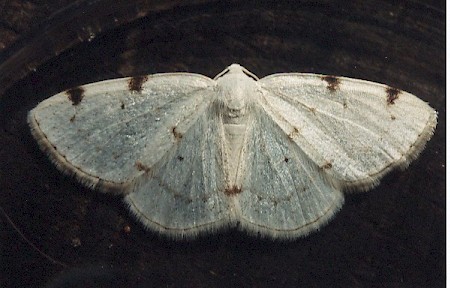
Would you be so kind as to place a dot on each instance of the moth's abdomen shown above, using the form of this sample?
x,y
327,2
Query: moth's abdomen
x,y
235,143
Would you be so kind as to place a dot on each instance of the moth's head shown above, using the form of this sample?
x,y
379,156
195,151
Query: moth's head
x,y
236,69
236,89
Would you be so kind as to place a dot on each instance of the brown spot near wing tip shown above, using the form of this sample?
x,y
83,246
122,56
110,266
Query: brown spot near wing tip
x,y
141,167
333,82
392,95
75,95
135,83
293,133
176,134
328,165
233,191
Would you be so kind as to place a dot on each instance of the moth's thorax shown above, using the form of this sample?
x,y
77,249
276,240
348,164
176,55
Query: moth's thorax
x,y
236,97
236,92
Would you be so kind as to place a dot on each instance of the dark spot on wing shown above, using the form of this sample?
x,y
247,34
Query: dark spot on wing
x,y
233,191
392,95
135,83
393,117
181,158
327,165
142,167
122,106
333,82
204,198
286,159
176,134
75,95
72,118
293,133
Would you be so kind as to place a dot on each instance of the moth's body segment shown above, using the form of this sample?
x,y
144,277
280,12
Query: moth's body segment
x,y
193,154
236,93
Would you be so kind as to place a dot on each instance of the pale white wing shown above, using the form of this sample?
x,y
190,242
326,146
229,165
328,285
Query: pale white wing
x,y
107,133
184,193
355,130
284,193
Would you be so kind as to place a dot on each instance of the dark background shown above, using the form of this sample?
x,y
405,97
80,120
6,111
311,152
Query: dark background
x,y
392,236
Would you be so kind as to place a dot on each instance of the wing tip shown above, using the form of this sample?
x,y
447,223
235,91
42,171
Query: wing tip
x,y
66,168
413,153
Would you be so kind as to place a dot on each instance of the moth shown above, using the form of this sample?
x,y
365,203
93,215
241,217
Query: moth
x,y
272,156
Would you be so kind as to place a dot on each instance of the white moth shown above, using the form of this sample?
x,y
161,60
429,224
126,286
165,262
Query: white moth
x,y
193,154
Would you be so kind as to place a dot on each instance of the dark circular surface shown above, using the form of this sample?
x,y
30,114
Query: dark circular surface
x,y
391,236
